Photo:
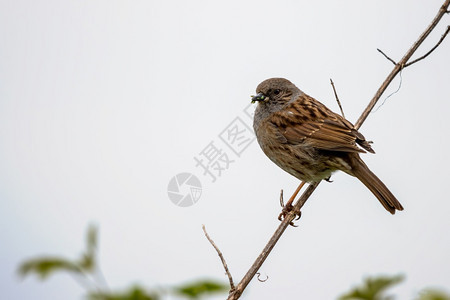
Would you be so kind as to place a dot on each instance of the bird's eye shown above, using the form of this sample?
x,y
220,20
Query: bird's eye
x,y
276,92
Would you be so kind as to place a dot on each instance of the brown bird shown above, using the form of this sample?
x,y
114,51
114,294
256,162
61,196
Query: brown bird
x,y
309,141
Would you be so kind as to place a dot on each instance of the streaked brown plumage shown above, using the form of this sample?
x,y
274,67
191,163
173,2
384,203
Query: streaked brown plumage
x,y
309,141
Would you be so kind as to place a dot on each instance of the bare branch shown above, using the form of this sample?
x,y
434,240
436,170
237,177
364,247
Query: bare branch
x,y
387,57
337,98
221,258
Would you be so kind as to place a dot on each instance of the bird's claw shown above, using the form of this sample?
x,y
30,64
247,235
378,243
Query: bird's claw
x,y
287,209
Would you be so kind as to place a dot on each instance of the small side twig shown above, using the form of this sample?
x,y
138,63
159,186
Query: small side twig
x,y
431,50
337,98
387,57
230,278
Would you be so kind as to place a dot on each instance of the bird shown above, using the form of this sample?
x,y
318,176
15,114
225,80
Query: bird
x,y
309,141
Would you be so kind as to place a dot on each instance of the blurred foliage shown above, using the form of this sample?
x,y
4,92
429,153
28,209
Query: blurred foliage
x,y
193,290
87,267
87,261
44,266
196,289
135,293
47,265
433,294
373,288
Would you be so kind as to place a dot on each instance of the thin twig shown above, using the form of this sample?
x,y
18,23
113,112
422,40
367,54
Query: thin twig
x,y
337,98
387,57
237,292
221,258
432,49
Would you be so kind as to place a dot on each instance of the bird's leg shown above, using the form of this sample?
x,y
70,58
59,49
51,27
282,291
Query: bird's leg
x,y
288,206
289,203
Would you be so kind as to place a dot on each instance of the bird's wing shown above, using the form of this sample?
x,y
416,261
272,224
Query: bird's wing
x,y
323,129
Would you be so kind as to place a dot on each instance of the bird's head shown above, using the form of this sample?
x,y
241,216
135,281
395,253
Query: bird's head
x,y
275,92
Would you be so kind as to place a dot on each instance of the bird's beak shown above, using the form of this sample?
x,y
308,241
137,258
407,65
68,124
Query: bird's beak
x,y
259,97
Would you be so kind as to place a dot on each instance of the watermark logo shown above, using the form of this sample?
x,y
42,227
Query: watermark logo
x,y
237,136
214,159
184,189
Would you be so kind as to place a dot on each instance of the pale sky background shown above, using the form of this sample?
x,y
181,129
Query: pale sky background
x,y
103,102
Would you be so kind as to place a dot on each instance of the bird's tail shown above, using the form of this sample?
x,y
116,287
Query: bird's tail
x,y
375,185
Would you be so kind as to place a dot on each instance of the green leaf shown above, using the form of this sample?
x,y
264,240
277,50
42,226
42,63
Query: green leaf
x,y
88,261
135,293
47,265
196,289
91,238
433,294
373,288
